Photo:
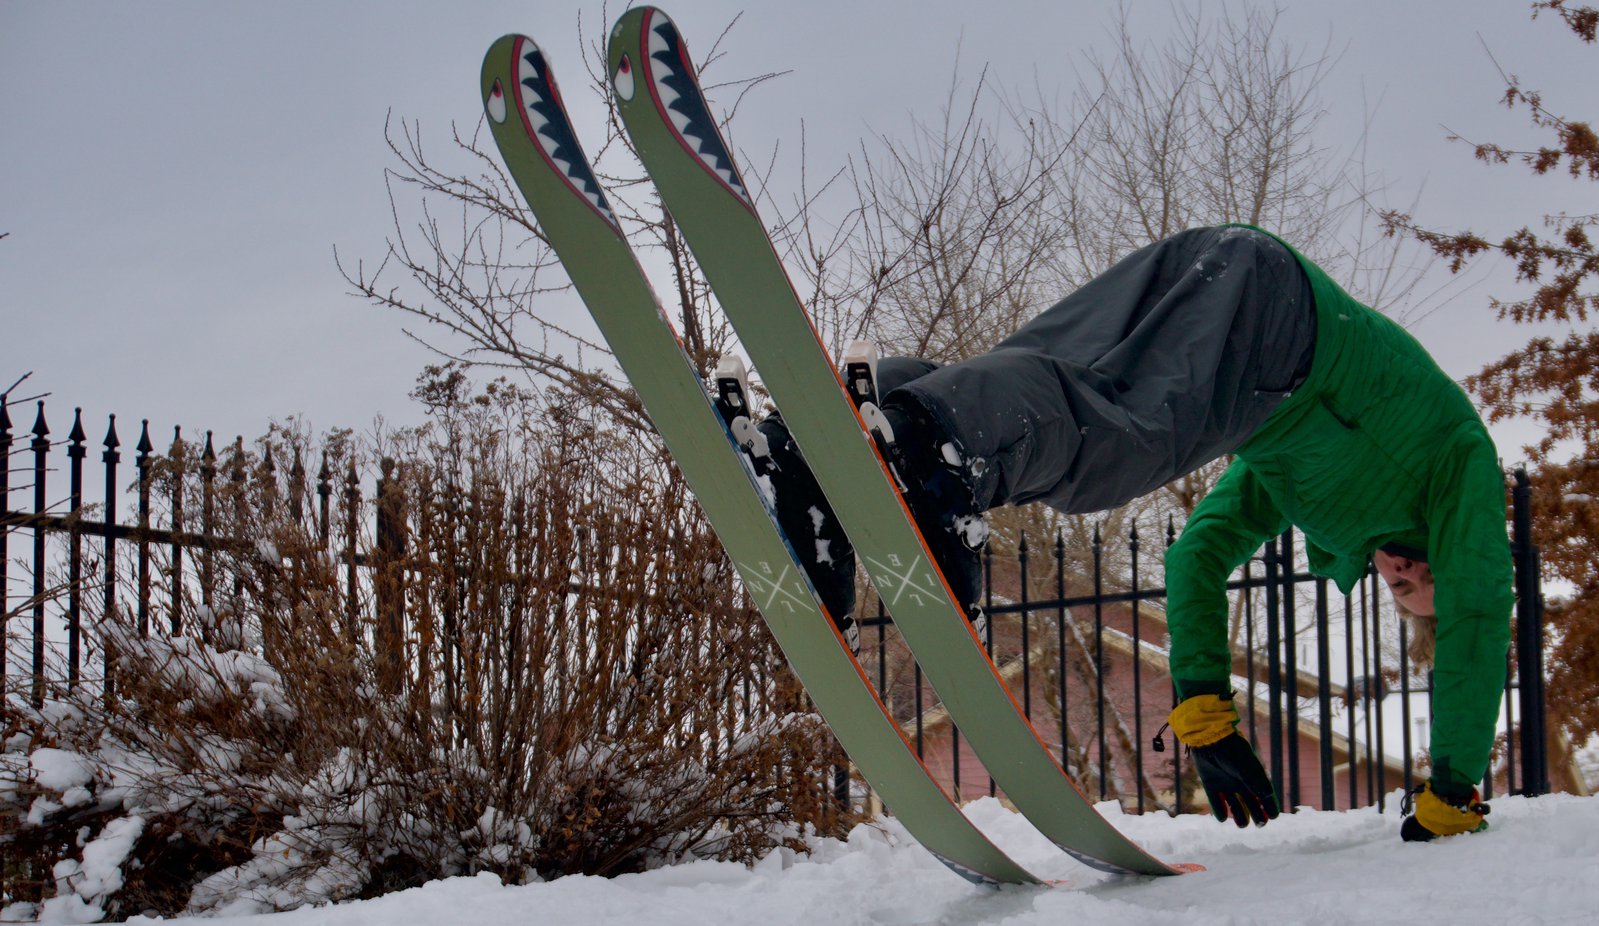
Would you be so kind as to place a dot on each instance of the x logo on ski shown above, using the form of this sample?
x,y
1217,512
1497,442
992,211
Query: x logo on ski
x,y
761,579
901,581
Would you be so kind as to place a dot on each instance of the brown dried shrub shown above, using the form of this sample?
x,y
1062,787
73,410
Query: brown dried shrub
x,y
541,665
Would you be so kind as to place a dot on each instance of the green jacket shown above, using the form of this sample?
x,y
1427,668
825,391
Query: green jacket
x,y
1378,445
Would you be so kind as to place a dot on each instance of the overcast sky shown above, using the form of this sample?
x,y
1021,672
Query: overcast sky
x,y
175,176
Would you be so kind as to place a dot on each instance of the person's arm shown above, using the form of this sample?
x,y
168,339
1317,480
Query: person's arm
x,y
1230,524
1469,553
1226,528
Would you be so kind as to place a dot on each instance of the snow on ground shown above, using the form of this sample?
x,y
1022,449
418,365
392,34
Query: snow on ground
x,y
1535,865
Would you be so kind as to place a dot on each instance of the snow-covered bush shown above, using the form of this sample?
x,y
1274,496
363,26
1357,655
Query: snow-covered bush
x,y
544,669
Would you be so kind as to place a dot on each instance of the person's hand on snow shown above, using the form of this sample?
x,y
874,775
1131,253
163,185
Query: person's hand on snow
x,y
1235,781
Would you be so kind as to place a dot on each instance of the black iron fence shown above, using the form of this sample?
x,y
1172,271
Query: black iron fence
x,y
183,550
1324,679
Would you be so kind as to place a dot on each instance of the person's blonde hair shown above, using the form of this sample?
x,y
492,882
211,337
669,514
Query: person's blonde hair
x,y
1423,635
1423,630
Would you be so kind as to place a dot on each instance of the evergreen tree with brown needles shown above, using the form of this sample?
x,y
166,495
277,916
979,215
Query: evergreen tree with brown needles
x,y
1554,379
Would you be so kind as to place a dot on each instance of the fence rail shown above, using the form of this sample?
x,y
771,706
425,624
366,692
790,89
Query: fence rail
x,y
1087,666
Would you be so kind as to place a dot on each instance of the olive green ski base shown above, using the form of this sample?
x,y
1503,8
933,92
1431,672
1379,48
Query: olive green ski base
x,y
539,148
674,133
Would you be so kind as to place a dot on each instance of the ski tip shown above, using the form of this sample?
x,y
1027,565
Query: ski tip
x,y
1177,868
499,73
651,70
518,81
495,75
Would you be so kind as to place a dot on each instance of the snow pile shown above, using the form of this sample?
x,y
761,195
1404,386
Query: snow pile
x,y
84,885
1534,866
75,773
214,786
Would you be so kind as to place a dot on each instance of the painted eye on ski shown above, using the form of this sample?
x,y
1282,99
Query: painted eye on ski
x,y
623,80
495,104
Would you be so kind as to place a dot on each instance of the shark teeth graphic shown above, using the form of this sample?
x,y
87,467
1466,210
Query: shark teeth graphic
x,y
678,97
540,103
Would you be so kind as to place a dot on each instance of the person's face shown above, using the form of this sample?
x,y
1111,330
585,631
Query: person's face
x,y
1410,580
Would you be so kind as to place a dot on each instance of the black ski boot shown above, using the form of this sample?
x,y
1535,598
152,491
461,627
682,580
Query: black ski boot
x,y
812,529
935,477
797,500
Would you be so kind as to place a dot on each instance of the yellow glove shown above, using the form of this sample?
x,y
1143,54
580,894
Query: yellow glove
x,y
1203,720
1235,782
1434,816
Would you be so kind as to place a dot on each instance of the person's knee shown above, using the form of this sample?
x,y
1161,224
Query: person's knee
x,y
1273,263
894,372
1250,244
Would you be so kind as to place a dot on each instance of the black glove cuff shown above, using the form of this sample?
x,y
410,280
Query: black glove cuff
x,y
1189,688
1450,793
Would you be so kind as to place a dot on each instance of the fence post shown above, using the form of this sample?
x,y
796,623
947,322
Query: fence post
x,y
1274,673
76,450
1290,617
1027,620
1324,696
1404,705
1529,644
882,654
1249,648
1372,600
110,457
388,587
324,492
352,530
1060,637
1176,754
297,489
1349,702
1138,675
988,609
208,513
1099,657
142,463
41,450
179,460
5,542
269,629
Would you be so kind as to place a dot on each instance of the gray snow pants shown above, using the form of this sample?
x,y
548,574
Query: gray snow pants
x,y
1170,359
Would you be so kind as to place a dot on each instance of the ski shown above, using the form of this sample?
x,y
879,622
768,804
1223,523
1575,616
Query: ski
x,y
674,133
541,151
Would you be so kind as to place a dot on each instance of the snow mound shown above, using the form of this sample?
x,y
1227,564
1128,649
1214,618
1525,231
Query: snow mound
x,y
1534,866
